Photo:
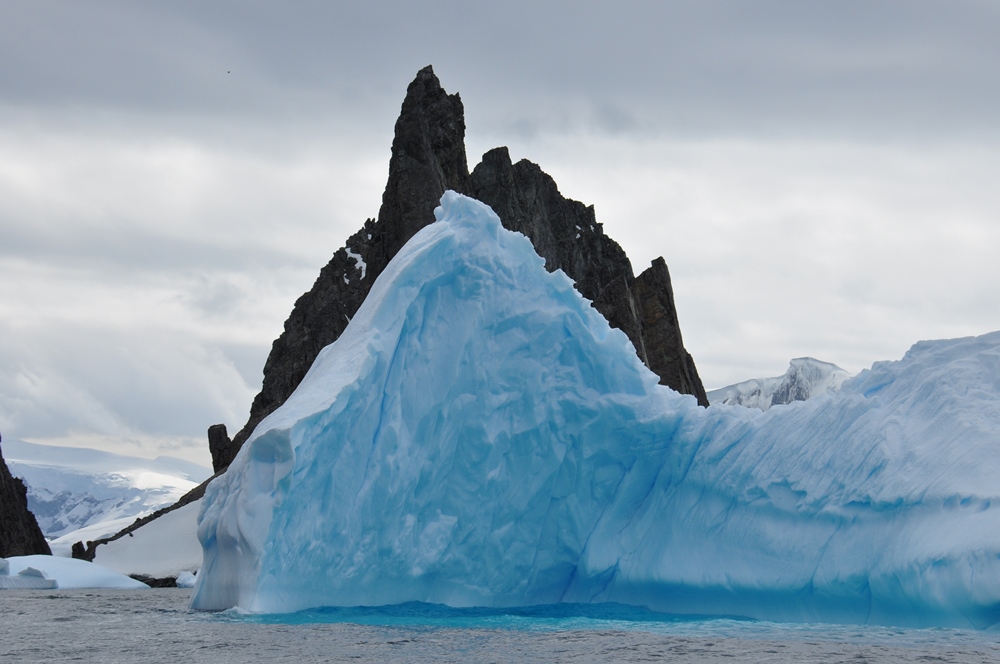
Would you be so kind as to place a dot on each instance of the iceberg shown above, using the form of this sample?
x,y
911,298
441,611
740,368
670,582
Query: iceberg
x,y
480,436
42,572
27,578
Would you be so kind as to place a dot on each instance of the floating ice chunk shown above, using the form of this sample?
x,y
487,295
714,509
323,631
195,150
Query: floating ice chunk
x,y
54,572
27,582
186,580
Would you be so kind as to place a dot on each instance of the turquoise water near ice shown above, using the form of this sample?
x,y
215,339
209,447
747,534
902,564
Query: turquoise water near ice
x,y
608,618
157,627
543,617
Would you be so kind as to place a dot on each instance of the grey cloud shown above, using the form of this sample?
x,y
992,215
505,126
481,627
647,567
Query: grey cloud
x,y
848,68
115,382
135,252
217,296
248,359
677,89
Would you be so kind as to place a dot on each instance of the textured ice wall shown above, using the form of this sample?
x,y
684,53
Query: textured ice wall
x,y
480,436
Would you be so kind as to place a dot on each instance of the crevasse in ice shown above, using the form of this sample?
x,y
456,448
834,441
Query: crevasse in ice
x,y
480,436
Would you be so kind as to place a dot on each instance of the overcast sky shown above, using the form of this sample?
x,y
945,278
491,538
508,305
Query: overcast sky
x,y
821,177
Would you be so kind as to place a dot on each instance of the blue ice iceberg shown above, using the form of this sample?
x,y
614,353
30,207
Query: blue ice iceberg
x,y
480,436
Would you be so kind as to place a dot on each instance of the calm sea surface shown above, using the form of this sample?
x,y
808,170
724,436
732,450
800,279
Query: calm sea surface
x,y
156,626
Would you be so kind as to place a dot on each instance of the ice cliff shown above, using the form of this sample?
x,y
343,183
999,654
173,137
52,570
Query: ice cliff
x,y
805,378
479,435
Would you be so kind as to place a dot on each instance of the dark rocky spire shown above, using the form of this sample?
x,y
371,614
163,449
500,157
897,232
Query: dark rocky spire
x,y
661,333
428,157
19,531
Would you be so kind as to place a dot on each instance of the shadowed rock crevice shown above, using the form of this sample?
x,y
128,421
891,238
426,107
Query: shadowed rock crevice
x,y
428,157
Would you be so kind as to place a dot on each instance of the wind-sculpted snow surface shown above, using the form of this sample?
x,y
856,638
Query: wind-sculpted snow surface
x,y
480,436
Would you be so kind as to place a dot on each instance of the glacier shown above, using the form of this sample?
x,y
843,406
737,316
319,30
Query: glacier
x,y
480,436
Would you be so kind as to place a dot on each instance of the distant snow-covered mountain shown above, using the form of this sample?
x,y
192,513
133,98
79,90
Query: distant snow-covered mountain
x,y
84,494
806,378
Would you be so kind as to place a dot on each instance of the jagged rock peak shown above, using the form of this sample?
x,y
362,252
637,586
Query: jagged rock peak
x,y
428,158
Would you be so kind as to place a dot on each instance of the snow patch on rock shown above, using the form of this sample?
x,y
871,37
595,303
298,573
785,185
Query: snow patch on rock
x,y
359,262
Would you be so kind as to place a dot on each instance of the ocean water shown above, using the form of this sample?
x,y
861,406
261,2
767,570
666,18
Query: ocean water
x,y
156,626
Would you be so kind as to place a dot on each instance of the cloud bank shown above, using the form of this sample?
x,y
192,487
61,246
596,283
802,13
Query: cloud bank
x,y
820,178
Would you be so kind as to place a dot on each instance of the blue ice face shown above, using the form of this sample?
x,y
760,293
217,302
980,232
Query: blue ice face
x,y
479,436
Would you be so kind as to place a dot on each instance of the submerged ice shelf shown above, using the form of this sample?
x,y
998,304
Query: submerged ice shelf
x,y
479,436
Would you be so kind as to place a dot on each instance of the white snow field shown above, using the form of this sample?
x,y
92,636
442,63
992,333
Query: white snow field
x,y
805,378
480,436
80,494
165,547
64,573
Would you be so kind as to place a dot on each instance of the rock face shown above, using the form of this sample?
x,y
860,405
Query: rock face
x,y
19,532
220,446
566,234
661,333
428,158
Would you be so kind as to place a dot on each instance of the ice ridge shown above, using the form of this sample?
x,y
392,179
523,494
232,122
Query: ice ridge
x,y
479,436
